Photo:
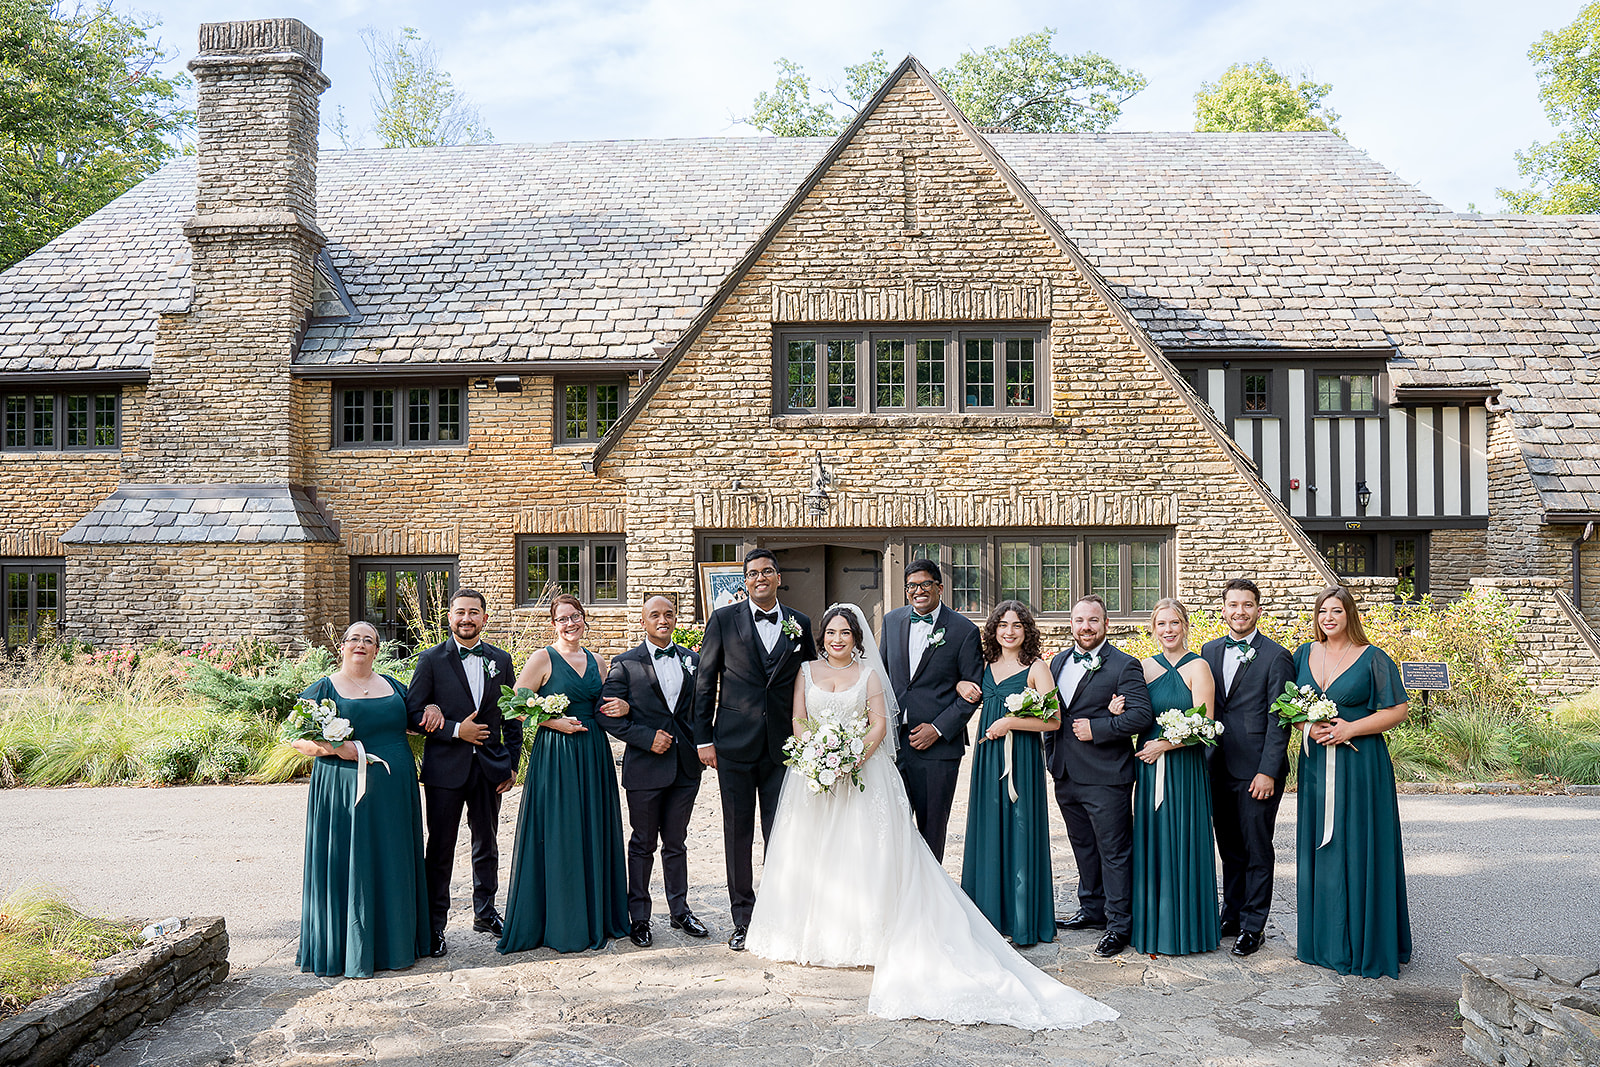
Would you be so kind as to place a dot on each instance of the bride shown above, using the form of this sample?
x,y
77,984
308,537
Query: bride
x,y
848,882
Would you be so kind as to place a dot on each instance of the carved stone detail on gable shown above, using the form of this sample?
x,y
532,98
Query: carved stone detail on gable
x,y
913,301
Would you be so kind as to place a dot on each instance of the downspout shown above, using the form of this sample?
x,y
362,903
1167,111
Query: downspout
x,y
1577,573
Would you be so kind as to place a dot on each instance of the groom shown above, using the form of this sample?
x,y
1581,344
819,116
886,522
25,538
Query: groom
x,y
1091,759
743,712
1249,762
927,649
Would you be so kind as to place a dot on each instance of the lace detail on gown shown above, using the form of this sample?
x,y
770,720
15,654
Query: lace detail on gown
x,y
848,882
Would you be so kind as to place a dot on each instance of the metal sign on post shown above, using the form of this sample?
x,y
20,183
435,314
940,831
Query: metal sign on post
x,y
1425,677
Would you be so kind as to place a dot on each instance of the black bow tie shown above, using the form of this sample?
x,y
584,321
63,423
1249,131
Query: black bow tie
x,y
670,652
475,650
766,616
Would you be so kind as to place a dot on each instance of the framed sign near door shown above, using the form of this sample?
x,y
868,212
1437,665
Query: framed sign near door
x,y
721,584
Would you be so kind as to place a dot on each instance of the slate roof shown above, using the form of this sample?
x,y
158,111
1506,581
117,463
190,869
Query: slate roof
x,y
605,250
199,514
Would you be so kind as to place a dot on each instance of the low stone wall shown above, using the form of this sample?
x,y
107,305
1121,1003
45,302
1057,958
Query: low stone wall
x,y
1560,662
76,1024
1531,1011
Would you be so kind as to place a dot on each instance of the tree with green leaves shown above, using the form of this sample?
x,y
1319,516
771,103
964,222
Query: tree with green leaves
x,y
84,115
414,102
1024,86
1565,173
1258,98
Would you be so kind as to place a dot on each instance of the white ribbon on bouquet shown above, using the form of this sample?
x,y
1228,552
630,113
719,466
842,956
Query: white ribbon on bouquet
x,y
361,768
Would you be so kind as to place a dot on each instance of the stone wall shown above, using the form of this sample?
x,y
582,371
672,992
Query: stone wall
x,y
1561,661
1542,1011
77,1024
1455,557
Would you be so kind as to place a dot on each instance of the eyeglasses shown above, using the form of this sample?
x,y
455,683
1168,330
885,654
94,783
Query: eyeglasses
x,y
764,572
361,640
920,587
562,620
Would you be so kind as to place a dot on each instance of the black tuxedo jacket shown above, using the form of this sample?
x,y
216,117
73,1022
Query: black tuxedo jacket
x,y
1253,741
930,694
440,679
1108,759
633,678
741,705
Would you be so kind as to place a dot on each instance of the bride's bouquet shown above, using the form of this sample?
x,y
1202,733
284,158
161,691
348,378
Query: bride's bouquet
x,y
529,707
827,753
1192,727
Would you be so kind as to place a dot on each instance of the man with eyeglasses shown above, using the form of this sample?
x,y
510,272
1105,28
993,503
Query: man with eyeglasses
x,y
468,760
929,650
743,713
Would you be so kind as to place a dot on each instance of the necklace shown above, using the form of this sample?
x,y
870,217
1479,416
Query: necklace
x,y
366,690
829,661
1331,675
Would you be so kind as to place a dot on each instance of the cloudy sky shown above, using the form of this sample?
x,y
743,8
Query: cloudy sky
x,y
1439,91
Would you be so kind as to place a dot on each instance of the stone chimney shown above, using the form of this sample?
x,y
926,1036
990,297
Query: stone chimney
x,y
219,408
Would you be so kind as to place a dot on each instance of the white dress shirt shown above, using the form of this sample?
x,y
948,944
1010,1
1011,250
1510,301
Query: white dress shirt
x,y
1233,657
669,673
1072,673
768,632
917,640
473,666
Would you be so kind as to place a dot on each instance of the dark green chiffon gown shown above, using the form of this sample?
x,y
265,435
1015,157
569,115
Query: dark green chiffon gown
x,y
1005,868
1351,907
364,896
1174,862
569,881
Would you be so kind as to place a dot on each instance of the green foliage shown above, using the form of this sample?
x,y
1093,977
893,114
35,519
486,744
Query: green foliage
x,y
415,104
689,637
272,691
1565,173
1256,97
1024,86
46,944
83,115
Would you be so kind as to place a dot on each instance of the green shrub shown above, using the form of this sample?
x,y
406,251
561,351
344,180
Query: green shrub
x,y
272,691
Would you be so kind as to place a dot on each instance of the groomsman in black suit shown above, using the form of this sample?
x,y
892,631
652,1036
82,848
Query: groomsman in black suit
x,y
660,768
1249,762
1091,759
743,713
468,760
927,649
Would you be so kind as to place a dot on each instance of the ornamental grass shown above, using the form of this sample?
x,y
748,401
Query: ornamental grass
x,y
46,944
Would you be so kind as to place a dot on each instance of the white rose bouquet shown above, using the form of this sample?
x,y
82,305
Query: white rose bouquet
x,y
1303,704
319,720
1192,727
827,753
529,707
1031,704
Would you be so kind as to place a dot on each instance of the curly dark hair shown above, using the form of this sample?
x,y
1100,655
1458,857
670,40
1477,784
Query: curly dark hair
x,y
1030,650
840,612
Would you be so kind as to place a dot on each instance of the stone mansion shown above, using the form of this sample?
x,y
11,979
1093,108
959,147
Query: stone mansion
x,y
263,389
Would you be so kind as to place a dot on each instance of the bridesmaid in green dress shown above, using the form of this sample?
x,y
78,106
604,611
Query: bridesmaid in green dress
x,y
1352,877
569,881
1174,860
363,902
1006,865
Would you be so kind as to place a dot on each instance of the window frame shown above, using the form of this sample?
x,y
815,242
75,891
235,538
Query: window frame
x,y
395,628
870,337
401,414
32,568
527,598
1345,374
592,385
1269,408
59,399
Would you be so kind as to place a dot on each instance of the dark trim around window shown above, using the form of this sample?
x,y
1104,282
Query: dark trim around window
x,y
87,419
593,569
399,414
30,601
586,410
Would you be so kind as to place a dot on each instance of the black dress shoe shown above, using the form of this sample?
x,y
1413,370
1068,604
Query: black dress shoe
x,y
1230,927
1111,945
736,942
1247,944
439,947
639,933
489,924
689,925
1080,921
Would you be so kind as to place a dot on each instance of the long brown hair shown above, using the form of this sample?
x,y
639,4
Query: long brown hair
x,y
1352,615
1030,649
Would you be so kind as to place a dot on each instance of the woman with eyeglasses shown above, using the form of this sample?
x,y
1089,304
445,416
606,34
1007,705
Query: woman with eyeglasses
x,y
569,881
364,898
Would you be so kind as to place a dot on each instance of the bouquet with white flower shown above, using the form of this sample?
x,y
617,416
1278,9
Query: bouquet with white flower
x,y
1032,704
1192,727
529,707
319,720
827,753
1303,704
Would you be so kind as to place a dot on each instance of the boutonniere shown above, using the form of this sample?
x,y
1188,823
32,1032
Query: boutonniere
x,y
790,628
936,638
1249,654
1093,665
688,666
491,668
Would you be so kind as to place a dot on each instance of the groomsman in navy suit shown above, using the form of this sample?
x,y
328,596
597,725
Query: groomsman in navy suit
x,y
927,649
660,768
1249,762
468,760
743,713
1091,759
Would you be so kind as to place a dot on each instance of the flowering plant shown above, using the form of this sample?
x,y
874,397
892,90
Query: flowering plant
x,y
790,628
528,706
1304,705
827,753
1031,704
936,638
1192,727
319,720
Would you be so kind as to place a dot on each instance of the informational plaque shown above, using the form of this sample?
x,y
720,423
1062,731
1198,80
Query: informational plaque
x,y
1422,676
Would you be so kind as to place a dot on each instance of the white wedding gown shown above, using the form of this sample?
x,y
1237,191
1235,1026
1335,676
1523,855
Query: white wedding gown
x,y
848,882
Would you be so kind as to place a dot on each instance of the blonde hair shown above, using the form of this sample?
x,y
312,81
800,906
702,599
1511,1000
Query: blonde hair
x,y
1176,605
